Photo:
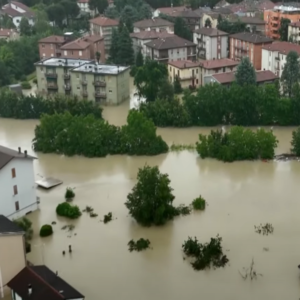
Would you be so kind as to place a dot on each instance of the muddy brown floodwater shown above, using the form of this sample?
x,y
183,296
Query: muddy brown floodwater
x,y
240,195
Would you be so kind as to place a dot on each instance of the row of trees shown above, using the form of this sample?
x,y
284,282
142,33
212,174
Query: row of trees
x,y
32,107
91,137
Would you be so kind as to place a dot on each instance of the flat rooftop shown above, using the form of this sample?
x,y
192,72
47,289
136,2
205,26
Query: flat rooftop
x,y
62,62
100,68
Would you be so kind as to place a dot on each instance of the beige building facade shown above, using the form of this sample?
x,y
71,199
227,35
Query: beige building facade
x,y
104,84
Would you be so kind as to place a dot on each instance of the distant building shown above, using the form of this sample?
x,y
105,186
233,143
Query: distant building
x,y
170,11
154,24
105,84
262,77
255,25
16,11
9,34
211,43
139,39
39,282
272,18
84,6
171,49
221,3
12,249
103,26
250,45
17,186
294,32
192,19
274,56
68,47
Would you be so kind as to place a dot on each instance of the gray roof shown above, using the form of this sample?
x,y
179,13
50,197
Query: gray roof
x,y
155,22
99,69
7,154
210,31
251,38
62,62
9,227
172,42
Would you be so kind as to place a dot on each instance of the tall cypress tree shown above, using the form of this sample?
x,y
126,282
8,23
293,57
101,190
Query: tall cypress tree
x,y
139,60
113,51
125,51
245,73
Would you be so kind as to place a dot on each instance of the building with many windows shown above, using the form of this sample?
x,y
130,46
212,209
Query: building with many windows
x,y
294,32
106,84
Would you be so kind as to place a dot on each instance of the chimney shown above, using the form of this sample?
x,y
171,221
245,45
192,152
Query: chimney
x,y
19,149
25,153
29,289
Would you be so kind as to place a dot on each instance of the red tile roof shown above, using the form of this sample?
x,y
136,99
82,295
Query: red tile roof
x,y
83,1
184,64
261,76
218,63
155,22
104,22
93,38
172,11
75,45
7,32
210,31
295,24
150,35
11,11
53,39
282,47
171,42
251,38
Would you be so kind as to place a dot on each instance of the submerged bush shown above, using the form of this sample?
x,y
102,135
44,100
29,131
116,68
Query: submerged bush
x,y
237,144
107,218
65,209
46,230
139,245
69,195
296,142
199,203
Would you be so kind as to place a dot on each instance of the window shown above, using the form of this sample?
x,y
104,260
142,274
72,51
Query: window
x,y
65,53
17,205
223,69
110,91
72,52
43,45
15,190
13,172
80,53
196,71
51,46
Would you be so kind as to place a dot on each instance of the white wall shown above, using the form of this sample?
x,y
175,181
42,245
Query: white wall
x,y
26,188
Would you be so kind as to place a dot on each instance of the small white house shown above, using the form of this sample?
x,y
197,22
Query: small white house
x,y
17,184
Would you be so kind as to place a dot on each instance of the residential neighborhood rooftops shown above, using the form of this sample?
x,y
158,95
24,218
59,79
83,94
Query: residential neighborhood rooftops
x,y
100,68
93,38
261,76
251,38
104,22
44,284
218,63
155,22
252,20
9,227
7,32
12,10
184,64
7,154
210,31
62,62
171,42
172,11
78,44
53,39
282,47
149,35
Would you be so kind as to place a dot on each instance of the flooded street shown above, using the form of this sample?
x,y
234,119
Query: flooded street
x,y
240,195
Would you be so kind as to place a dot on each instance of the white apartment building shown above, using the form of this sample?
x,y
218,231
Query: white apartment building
x,y
154,24
294,32
211,43
274,56
17,185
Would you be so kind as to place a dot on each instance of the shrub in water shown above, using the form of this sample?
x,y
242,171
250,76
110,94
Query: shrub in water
x,y
139,245
65,209
69,195
46,230
199,203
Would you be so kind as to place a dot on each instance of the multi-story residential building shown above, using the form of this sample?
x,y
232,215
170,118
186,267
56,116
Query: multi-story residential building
x,y
170,11
192,19
107,84
274,56
16,11
294,32
171,49
154,24
255,25
103,26
9,34
17,185
211,43
273,17
187,71
250,45
12,249
213,66
139,39
262,77
67,47
84,6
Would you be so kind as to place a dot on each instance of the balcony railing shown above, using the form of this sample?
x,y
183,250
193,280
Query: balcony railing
x,y
83,82
67,87
52,86
277,58
100,95
84,93
66,76
50,75
99,83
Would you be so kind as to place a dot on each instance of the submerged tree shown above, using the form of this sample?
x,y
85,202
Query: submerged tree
x,y
245,73
177,85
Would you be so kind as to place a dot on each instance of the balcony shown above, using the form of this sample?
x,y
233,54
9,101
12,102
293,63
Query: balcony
x,y
67,87
277,57
50,75
83,82
66,76
100,95
99,83
84,93
52,86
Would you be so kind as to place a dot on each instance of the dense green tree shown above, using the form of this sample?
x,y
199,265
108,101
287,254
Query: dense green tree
x,y
113,51
177,85
129,15
284,28
296,142
166,90
4,74
144,11
6,22
148,78
98,5
291,73
181,29
245,73
41,25
72,10
207,23
232,27
125,54
25,28
151,199
139,59
56,14
111,12
98,56
194,4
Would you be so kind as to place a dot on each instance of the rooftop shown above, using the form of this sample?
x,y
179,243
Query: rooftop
x,y
295,24
184,64
7,154
261,76
150,35
93,38
252,20
10,9
78,44
210,31
251,38
62,62
45,285
96,68
8,227
7,32
283,47
104,22
218,63
171,42
155,22
53,39
284,8
172,11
